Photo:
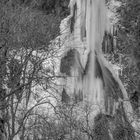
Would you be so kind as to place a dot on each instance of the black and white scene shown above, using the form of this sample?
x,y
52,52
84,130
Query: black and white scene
x,y
69,69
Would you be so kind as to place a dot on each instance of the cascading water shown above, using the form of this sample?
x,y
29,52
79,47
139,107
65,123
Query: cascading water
x,y
88,73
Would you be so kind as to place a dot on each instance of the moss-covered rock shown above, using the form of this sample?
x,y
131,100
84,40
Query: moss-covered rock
x,y
67,62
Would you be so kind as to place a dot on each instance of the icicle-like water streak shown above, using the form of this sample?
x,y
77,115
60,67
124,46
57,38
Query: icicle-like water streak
x,y
95,26
89,72
99,83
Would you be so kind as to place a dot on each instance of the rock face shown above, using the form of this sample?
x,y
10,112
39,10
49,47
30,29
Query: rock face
x,y
90,77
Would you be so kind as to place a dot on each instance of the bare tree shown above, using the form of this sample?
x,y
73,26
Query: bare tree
x,y
26,60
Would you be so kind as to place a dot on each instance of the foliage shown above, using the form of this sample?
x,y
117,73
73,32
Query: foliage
x,y
126,23
27,61
128,41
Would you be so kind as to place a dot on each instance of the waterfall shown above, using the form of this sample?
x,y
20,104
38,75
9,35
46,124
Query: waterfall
x,y
87,72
